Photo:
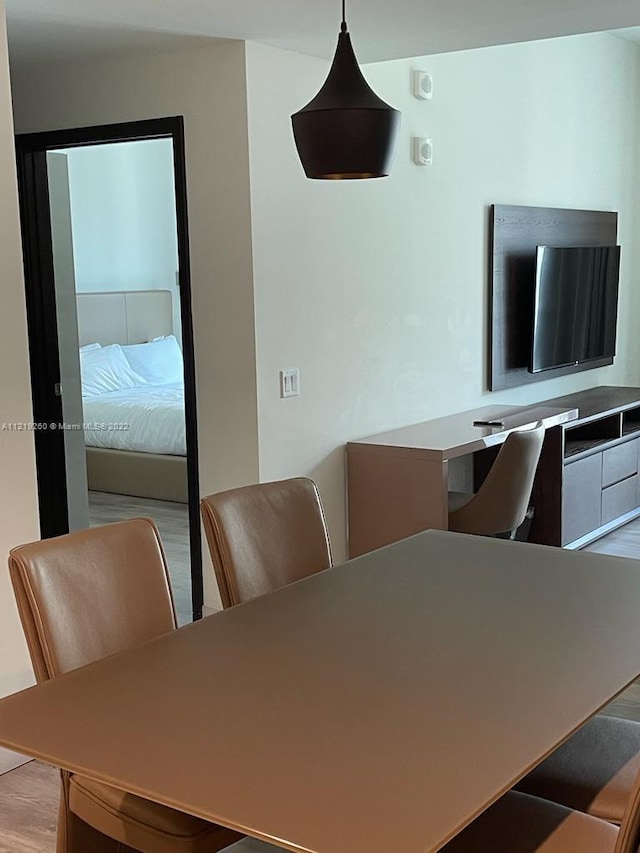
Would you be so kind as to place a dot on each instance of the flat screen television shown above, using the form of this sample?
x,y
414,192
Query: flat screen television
x,y
575,305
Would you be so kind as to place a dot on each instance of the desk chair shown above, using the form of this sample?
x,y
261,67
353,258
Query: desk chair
x,y
82,597
501,503
265,536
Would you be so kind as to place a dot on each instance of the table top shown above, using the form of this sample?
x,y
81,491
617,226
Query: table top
x,y
456,435
379,705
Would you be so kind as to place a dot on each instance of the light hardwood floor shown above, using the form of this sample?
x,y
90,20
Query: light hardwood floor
x,y
29,795
28,809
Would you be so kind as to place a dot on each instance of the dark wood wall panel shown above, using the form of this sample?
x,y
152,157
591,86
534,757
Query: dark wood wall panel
x,y
515,233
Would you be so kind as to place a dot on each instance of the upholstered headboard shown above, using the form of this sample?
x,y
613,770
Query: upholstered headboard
x,y
124,317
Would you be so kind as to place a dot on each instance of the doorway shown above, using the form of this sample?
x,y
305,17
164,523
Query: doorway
x,y
111,337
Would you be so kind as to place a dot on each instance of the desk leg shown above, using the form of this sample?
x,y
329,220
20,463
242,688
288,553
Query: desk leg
x,y
547,491
391,496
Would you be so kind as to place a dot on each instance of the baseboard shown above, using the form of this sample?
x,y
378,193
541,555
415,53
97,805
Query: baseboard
x,y
594,535
11,760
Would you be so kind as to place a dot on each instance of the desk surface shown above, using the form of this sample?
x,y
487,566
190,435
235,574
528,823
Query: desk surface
x,y
379,705
456,435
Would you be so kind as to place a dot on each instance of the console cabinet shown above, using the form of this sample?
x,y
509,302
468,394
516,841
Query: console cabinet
x,y
600,464
587,482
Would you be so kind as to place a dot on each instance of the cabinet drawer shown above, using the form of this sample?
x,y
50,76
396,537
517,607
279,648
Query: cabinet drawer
x,y
619,462
581,497
618,499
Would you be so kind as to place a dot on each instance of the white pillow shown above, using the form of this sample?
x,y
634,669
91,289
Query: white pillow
x,y
106,369
159,361
87,347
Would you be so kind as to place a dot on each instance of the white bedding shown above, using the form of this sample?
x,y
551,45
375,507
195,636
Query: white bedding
x,y
147,418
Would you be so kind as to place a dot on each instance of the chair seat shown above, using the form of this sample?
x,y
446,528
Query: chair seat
x,y
519,823
594,771
459,499
141,823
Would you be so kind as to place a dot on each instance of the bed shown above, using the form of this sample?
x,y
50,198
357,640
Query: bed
x,y
133,395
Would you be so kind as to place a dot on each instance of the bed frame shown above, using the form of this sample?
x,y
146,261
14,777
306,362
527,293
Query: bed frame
x,y
130,317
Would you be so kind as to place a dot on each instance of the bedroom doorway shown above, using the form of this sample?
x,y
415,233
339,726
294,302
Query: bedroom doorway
x,y
105,239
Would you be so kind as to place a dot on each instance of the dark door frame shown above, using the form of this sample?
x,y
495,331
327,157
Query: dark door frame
x,y
31,153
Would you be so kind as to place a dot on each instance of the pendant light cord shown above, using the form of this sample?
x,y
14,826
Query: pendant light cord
x,y
343,25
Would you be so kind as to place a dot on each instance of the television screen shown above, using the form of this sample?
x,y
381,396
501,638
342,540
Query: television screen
x,y
575,305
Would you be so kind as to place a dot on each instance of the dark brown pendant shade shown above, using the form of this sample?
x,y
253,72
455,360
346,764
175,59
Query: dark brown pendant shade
x,y
346,131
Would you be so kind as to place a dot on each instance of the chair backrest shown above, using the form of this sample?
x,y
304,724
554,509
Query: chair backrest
x,y
628,840
91,593
501,503
265,536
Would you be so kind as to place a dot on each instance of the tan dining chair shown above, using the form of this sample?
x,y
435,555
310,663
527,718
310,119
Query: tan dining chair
x,y
264,536
520,823
501,503
81,597
594,771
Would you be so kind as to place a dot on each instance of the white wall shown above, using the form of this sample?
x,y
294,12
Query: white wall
x,y
206,85
123,214
18,496
377,290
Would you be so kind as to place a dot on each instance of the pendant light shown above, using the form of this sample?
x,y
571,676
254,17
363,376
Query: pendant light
x,y
346,131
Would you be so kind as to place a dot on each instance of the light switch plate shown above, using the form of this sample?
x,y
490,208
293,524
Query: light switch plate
x,y
290,382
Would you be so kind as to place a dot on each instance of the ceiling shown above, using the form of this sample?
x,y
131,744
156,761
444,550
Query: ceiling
x,y
42,30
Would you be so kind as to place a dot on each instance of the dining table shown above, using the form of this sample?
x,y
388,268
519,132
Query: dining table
x,y
380,705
